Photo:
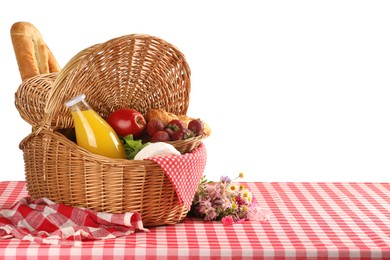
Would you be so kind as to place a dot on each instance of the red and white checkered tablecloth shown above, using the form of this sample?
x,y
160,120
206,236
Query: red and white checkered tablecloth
x,y
309,221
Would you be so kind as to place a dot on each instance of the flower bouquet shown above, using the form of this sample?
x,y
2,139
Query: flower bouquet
x,y
227,201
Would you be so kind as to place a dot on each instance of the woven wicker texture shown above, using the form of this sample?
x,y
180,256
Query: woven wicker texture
x,y
30,99
138,71
32,94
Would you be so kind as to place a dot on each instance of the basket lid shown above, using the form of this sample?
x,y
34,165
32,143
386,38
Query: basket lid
x,y
136,70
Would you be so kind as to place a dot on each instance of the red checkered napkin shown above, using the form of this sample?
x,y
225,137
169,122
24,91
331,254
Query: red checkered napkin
x,y
184,171
44,221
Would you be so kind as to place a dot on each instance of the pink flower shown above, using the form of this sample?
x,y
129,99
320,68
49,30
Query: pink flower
x,y
227,221
226,201
210,214
225,179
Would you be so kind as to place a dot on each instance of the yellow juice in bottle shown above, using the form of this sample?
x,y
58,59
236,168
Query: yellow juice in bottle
x,y
92,132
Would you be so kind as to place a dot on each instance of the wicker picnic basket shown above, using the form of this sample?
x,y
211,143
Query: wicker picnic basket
x,y
136,70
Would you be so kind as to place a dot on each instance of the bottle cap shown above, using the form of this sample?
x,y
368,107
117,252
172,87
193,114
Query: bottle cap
x,y
75,100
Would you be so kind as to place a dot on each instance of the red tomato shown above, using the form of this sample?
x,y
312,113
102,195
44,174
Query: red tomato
x,y
127,121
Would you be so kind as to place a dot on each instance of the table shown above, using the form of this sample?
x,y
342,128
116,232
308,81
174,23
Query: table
x,y
309,221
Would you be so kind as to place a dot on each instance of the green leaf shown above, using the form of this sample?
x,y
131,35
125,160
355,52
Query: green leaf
x,y
131,146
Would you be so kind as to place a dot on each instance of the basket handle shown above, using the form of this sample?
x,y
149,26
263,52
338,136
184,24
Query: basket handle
x,y
57,96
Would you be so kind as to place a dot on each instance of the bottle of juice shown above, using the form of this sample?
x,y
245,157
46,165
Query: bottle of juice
x,y
92,132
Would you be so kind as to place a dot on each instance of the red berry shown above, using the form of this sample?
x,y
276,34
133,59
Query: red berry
x,y
160,136
182,134
196,126
169,131
176,124
154,126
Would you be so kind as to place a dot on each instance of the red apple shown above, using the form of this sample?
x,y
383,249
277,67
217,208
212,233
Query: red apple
x,y
126,121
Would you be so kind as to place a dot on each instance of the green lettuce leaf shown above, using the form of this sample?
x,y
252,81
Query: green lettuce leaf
x,y
132,147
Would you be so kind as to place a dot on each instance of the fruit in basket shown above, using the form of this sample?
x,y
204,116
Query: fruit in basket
x,y
176,124
196,126
182,134
169,131
167,117
160,136
126,121
154,125
178,127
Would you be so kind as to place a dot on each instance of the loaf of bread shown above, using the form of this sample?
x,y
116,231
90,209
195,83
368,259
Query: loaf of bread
x,y
32,54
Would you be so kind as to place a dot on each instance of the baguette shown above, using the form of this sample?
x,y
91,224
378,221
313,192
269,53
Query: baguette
x,y
32,54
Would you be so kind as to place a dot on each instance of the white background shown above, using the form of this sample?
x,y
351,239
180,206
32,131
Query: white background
x,y
293,90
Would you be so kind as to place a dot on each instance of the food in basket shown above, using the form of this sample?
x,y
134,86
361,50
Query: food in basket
x,y
176,124
32,54
93,133
182,134
196,126
129,126
161,114
156,149
167,117
132,146
174,130
127,121
154,125
160,136
179,130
